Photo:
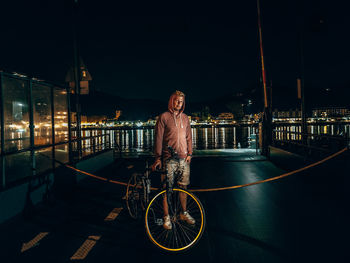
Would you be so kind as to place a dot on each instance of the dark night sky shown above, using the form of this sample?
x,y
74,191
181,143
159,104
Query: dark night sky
x,y
207,50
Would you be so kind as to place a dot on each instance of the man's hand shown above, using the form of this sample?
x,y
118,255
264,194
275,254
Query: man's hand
x,y
157,163
188,159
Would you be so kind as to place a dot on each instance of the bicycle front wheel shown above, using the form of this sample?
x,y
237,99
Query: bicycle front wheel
x,y
183,233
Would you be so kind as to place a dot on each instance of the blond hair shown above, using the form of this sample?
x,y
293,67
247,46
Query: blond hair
x,y
179,93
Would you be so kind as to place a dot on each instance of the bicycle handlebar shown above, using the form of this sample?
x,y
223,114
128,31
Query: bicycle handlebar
x,y
162,171
158,171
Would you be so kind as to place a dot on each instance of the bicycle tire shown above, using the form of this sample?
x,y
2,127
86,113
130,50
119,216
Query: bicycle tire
x,y
144,195
182,236
134,194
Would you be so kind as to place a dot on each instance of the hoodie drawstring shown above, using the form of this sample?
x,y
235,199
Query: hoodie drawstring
x,y
180,120
174,119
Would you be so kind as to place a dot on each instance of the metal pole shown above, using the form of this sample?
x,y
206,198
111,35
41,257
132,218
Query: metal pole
x,y
31,127
3,179
69,126
53,127
77,77
262,55
301,88
267,116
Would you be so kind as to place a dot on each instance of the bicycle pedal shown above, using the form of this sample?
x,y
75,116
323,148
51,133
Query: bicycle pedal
x,y
159,221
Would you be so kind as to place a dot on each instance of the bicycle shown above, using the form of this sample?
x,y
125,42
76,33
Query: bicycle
x,y
137,193
182,235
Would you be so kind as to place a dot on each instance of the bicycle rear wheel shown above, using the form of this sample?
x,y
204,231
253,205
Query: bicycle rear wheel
x,y
183,235
135,196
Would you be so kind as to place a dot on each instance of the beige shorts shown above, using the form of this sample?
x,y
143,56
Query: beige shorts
x,y
178,167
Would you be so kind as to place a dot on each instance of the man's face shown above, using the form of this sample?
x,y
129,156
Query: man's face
x,y
178,101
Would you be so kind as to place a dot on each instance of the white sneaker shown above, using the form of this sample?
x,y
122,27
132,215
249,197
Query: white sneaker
x,y
167,223
185,216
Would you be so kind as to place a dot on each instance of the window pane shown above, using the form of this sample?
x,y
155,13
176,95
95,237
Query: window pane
x,y
43,160
16,114
88,146
61,115
61,154
42,114
17,166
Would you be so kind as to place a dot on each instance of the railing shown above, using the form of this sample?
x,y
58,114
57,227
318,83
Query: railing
x,y
320,143
142,139
93,144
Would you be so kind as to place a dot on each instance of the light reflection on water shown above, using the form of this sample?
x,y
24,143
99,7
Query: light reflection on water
x,y
202,138
332,129
222,137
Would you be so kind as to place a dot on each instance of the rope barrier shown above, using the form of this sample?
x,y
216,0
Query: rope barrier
x,y
228,187
95,176
272,178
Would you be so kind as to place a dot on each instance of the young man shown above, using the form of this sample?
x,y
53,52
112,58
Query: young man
x,y
173,132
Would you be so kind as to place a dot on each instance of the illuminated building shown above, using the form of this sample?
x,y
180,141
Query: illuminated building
x,y
331,112
226,116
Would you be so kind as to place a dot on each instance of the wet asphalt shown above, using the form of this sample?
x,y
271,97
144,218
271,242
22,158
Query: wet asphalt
x,y
301,218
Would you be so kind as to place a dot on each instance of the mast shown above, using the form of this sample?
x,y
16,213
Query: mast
x,y
262,56
267,120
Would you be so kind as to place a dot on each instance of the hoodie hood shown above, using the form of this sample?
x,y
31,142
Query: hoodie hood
x,y
174,131
171,103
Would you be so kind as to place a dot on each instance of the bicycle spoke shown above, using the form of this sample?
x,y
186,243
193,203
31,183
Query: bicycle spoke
x,y
188,229
176,236
167,238
161,240
184,237
158,232
191,204
158,206
185,234
173,238
161,234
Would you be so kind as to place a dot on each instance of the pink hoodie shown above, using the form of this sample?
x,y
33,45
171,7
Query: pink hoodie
x,y
173,130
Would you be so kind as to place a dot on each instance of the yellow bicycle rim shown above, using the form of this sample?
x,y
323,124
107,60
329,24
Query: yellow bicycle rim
x,y
199,232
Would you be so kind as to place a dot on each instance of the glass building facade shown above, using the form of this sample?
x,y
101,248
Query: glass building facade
x,y
34,127
36,131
